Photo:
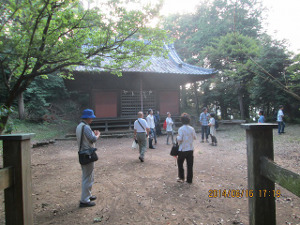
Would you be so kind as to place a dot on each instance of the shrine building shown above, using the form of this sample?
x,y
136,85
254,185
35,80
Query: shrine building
x,y
157,87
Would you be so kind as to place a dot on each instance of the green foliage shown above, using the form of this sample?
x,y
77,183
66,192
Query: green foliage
x,y
231,55
5,111
255,72
41,93
294,72
213,19
266,91
39,38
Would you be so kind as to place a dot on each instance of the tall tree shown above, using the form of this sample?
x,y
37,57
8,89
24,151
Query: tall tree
x,y
294,71
231,55
195,32
213,19
267,91
38,38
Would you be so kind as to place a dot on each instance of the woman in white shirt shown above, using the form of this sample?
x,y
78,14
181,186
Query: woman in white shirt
x,y
169,129
151,124
212,129
185,138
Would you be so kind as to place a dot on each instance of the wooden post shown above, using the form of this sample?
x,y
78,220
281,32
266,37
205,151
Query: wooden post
x,y
106,126
141,94
260,144
196,98
129,124
18,199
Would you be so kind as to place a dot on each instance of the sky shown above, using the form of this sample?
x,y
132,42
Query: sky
x,y
282,19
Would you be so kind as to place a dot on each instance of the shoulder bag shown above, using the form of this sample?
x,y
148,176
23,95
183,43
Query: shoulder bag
x,y
86,156
144,129
141,125
174,149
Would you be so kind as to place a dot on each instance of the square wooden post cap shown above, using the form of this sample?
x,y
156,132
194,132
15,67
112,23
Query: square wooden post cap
x,y
259,126
17,137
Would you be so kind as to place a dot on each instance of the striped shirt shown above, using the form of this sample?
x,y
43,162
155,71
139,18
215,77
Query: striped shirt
x,y
88,139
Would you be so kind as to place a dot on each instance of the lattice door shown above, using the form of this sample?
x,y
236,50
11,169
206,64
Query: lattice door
x,y
131,102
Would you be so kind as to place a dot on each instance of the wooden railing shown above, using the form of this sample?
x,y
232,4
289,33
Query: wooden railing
x,y
263,173
15,179
107,124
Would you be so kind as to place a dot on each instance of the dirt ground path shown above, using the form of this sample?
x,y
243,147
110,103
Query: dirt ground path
x,y
131,192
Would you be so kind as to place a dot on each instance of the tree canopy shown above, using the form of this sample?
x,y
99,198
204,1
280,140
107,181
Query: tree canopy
x,y
38,38
255,71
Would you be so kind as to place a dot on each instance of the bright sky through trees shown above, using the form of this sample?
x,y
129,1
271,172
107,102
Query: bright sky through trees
x,y
282,19
281,23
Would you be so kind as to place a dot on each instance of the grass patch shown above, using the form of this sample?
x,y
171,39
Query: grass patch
x,y
43,131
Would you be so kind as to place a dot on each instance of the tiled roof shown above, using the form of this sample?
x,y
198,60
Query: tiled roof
x,y
171,65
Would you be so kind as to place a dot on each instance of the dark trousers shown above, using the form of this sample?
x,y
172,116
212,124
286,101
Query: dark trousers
x,y
281,126
158,129
213,139
150,142
204,131
189,156
152,135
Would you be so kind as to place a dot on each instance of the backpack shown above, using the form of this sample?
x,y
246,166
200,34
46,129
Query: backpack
x,y
165,125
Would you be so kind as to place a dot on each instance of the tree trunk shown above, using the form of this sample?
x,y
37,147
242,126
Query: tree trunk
x,y
19,87
268,110
240,100
3,121
196,98
184,104
223,109
21,107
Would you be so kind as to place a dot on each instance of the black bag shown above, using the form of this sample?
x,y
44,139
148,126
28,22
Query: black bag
x,y
87,156
174,150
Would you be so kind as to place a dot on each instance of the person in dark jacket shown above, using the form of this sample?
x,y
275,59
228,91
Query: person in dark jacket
x,y
157,123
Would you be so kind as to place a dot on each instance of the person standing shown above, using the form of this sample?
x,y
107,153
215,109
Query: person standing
x,y
141,131
261,117
281,124
86,138
157,124
185,138
151,124
169,128
204,117
212,129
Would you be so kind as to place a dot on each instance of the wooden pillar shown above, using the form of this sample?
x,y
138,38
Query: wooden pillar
x,y
262,203
196,98
129,124
18,199
141,94
106,126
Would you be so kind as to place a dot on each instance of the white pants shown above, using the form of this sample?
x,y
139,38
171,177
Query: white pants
x,y
87,182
